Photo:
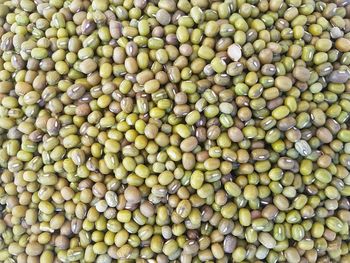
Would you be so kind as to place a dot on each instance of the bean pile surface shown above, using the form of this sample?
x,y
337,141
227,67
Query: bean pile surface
x,y
174,131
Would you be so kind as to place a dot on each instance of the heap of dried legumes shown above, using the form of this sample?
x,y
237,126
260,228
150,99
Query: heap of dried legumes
x,y
174,131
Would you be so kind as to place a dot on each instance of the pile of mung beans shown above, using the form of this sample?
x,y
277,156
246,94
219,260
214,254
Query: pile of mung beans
x,y
174,131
